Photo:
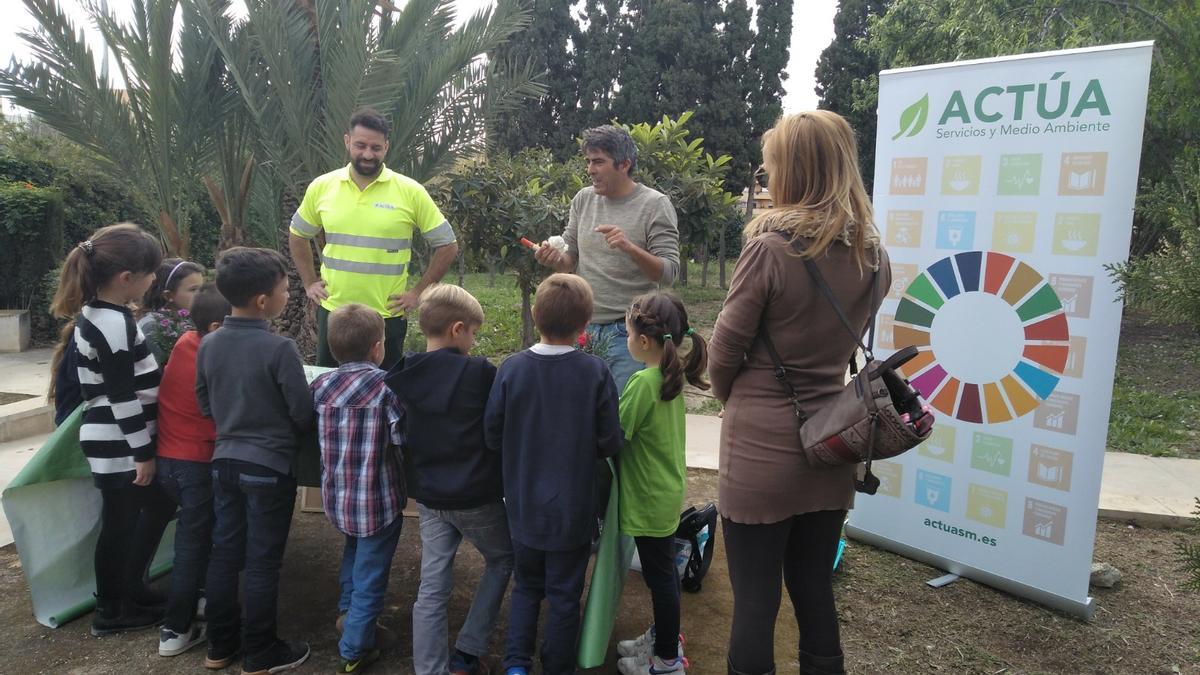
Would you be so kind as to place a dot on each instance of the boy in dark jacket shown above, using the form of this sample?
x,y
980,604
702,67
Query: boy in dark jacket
x,y
251,383
454,478
552,414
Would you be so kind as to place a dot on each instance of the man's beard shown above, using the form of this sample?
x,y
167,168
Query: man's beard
x,y
367,169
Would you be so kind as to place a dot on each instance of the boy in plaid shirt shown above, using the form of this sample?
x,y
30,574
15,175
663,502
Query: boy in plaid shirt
x,y
359,420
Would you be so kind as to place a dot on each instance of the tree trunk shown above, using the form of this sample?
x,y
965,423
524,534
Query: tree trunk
x,y
462,268
298,320
683,268
749,214
527,332
704,266
721,254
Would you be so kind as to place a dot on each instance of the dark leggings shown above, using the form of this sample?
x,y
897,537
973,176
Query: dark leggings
x,y
801,549
657,555
132,520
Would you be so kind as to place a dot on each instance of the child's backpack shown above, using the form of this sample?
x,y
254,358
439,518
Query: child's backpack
x,y
698,527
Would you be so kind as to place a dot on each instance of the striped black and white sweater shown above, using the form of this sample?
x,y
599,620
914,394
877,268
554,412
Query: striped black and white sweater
x,y
118,377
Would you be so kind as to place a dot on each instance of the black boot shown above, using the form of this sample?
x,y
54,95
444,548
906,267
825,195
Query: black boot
x,y
735,671
811,664
118,617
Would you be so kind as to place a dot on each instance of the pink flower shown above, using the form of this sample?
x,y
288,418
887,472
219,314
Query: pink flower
x,y
165,322
582,340
183,313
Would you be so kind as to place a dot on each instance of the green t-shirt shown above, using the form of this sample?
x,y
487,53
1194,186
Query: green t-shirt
x,y
653,465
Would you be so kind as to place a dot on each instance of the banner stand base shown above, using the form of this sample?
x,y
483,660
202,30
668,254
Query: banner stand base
x,y
1083,610
944,580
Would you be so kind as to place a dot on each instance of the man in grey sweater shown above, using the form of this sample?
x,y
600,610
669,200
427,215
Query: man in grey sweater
x,y
622,238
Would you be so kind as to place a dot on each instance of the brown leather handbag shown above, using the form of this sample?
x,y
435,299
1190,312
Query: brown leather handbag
x,y
878,415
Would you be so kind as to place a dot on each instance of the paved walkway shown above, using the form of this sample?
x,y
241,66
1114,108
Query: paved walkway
x,y
1151,491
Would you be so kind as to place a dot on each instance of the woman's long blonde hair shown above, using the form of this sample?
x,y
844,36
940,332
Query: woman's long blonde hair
x,y
811,161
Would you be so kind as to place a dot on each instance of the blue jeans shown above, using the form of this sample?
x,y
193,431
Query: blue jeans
x,y
190,485
620,363
253,508
486,527
366,564
557,577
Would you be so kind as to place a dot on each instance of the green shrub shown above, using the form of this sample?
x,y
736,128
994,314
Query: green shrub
x,y
16,169
31,226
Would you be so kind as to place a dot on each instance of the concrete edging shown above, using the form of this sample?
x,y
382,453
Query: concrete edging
x,y
32,422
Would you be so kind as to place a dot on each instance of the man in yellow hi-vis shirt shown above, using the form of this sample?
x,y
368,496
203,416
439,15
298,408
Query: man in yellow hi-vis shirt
x,y
368,213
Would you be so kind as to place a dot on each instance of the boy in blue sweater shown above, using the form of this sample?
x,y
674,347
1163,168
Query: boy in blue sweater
x,y
552,413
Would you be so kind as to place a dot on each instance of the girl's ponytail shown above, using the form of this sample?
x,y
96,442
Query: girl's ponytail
x,y
75,282
696,366
672,369
56,359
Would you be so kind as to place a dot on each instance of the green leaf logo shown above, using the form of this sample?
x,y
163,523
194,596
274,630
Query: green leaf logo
x,y
912,120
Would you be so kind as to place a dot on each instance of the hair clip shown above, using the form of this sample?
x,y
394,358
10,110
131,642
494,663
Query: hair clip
x,y
666,336
87,246
690,332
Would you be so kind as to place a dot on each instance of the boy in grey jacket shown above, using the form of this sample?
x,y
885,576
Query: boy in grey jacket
x,y
251,382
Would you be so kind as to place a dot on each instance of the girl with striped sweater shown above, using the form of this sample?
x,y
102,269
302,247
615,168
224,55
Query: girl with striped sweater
x,y
118,379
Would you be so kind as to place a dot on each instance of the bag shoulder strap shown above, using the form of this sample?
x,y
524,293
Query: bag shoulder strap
x,y
823,287
780,372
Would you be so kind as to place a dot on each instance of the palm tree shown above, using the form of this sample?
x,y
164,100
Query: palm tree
x,y
302,67
160,132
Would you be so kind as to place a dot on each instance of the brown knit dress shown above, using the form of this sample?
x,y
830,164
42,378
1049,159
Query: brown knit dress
x,y
764,477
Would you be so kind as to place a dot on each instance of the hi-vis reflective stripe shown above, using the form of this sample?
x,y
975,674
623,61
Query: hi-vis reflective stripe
x,y
303,227
440,236
362,267
385,243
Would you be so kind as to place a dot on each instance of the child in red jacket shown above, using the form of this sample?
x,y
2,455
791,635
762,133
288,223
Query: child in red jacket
x,y
186,439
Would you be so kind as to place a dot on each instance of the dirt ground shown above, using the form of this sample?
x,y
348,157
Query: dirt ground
x,y
891,621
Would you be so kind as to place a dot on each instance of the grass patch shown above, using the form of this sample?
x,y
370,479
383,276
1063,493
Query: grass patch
x,y
1148,422
706,406
1155,399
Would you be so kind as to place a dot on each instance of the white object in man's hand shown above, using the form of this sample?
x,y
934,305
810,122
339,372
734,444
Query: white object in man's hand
x,y
557,243
551,257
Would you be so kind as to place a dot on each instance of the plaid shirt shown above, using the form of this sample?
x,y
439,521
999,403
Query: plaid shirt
x,y
360,424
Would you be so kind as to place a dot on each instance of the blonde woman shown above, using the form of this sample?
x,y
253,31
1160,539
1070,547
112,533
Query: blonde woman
x,y
781,517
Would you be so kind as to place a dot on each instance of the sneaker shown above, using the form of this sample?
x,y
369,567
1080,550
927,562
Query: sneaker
x,y
131,617
385,638
219,658
642,646
632,665
360,664
283,655
171,643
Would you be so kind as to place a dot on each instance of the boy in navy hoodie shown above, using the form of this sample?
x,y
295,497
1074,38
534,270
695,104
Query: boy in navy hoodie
x,y
552,414
454,478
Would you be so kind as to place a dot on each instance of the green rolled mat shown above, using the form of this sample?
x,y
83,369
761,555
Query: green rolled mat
x,y
608,580
54,510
